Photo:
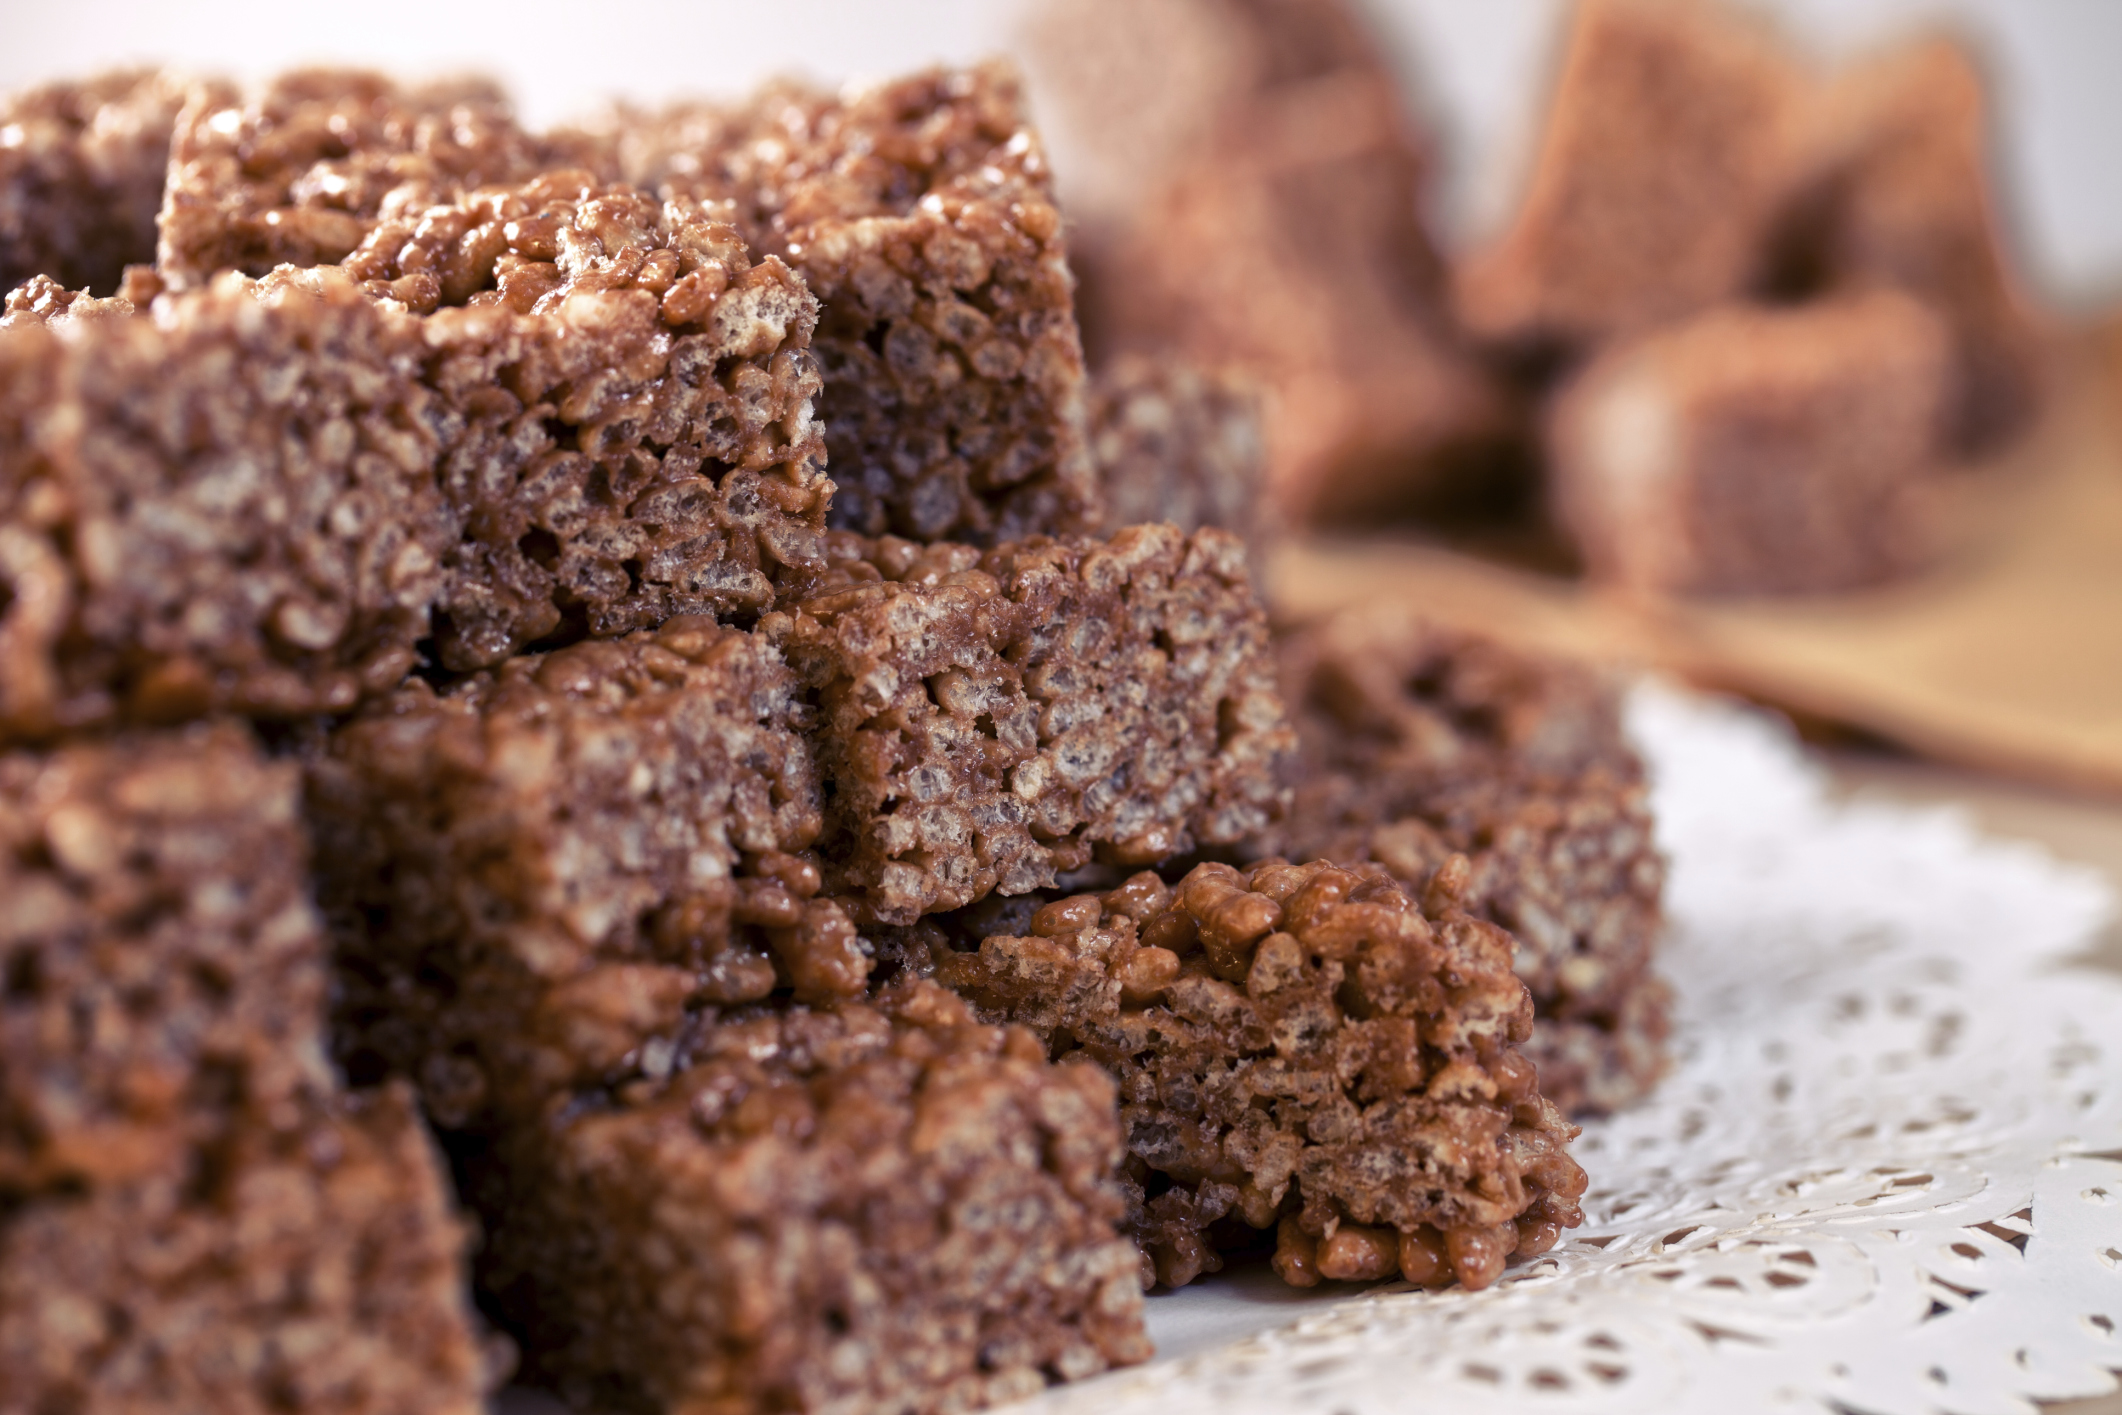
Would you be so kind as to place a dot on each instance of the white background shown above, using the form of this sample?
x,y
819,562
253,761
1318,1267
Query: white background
x,y
1478,68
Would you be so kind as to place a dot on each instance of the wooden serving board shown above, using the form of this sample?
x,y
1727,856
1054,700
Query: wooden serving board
x,y
2008,657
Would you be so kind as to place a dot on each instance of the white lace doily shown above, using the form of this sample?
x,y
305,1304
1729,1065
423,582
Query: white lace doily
x,y
1884,1176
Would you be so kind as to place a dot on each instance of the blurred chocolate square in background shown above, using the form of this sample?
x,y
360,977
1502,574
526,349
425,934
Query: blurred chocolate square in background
x,y
1749,357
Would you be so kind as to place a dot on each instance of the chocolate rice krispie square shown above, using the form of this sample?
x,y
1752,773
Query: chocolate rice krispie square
x,y
1418,744
625,392
191,1213
626,400
271,495
530,875
164,970
1758,449
231,505
1667,145
921,214
990,720
273,1271
1298,1048
81,174
877,1205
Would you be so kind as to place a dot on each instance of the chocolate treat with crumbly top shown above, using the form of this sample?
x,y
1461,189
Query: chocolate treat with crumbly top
x,y
531,875
1568,866
921,214
279,1271
1893,191
299,171
877,1205
1758,450
191,1215
626,408
81,177
1419,744
230,506
1299,1048
1174,442
1667,145
988,720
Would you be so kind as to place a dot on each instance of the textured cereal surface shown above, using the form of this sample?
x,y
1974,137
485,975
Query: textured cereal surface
x,y
41,300
1894,189
626,393
1278,228
81,177
319,1268
191,1216
164,968
265,495
296,172
1419,744
1758,450
874,1206
1177,443
987,720
1666,147
1298,1048
921,214
626,401
230,505
528,877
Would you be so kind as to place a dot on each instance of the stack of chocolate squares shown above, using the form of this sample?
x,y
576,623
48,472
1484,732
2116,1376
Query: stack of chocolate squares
x,y
1742,325
1782,301
612,638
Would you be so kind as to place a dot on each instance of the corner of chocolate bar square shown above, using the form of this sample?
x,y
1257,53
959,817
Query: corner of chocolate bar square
x,y
81,176
630,398
874,1204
